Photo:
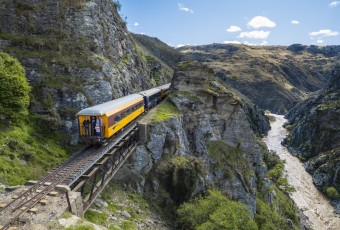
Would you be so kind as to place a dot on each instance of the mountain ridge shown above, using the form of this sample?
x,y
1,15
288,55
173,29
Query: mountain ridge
x,y
272,77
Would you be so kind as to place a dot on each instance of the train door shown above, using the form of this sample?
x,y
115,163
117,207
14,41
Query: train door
x,y
93,125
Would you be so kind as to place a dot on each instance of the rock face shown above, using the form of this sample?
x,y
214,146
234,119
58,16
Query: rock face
x,y
213,131
273,78
76,53
315,133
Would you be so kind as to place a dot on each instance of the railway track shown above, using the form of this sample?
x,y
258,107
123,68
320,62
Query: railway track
x,y
28,199
64,174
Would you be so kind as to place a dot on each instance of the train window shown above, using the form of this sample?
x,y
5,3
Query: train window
x,y
117,118
111,120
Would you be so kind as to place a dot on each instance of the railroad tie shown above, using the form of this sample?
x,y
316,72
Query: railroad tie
x,y
33,210
13,228
2,206
44,202
53,194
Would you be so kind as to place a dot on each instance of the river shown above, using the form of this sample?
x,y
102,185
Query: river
x,y
311,201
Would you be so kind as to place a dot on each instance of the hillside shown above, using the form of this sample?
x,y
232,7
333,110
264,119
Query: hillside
x,y
199,141
274,78
76,54
315,135
159,49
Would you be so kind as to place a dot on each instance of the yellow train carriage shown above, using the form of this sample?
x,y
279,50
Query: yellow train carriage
x,y
104,120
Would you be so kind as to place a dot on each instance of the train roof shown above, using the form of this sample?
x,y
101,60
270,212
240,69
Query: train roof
x,y
162,87
110,106
150,92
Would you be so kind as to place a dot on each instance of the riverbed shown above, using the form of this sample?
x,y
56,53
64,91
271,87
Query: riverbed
x,y
307,197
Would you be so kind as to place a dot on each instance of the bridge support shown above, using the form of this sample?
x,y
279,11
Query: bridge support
x,y
143,132
93,182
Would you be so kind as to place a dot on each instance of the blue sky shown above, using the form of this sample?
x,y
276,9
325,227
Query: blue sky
x,y
257,22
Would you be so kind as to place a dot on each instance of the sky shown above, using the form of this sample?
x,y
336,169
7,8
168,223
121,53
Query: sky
x,y
252,22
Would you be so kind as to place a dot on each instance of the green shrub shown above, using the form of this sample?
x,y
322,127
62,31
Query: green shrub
x,y
276,172
215,212
270,158
332,193
14,88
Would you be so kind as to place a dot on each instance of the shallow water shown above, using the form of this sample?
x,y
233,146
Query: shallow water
x,y
312,202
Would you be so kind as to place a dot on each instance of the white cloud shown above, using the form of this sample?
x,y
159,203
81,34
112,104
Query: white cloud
x,y
136,24
181,45
256,34
334,4
296,22
260,21
249,43
319,41
232,29
185,9
231,42
263,43
324,33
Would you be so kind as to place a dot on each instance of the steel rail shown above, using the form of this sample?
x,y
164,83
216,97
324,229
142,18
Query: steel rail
x,y
46,190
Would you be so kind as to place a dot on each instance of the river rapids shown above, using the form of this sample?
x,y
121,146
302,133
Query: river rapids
x,y
313,204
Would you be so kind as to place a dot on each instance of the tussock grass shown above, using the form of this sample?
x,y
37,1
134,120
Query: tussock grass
x,y
164,111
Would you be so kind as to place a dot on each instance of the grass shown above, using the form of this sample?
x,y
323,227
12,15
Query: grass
x,y
80,227
128,225
26,153
96,217
164,111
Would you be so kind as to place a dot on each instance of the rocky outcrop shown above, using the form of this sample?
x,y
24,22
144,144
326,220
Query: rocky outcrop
x,y
159,49
76,53
315,133
328,51
207,143
273,78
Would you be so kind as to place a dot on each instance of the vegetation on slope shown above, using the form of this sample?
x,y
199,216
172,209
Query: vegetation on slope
x,y
14,88
159,49
26,152
214,212
164,111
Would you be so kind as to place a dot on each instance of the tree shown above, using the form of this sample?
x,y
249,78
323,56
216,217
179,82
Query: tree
x,y
215,212
14,88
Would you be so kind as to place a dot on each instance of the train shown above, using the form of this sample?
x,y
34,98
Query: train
x,y
98,123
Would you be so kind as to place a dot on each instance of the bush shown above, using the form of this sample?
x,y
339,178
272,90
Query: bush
x,y
14,88
215,212
332,193
276,172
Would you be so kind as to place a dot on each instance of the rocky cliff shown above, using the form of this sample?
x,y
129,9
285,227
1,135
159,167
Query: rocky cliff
x,y
76,53
200,138
314,126
274,78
